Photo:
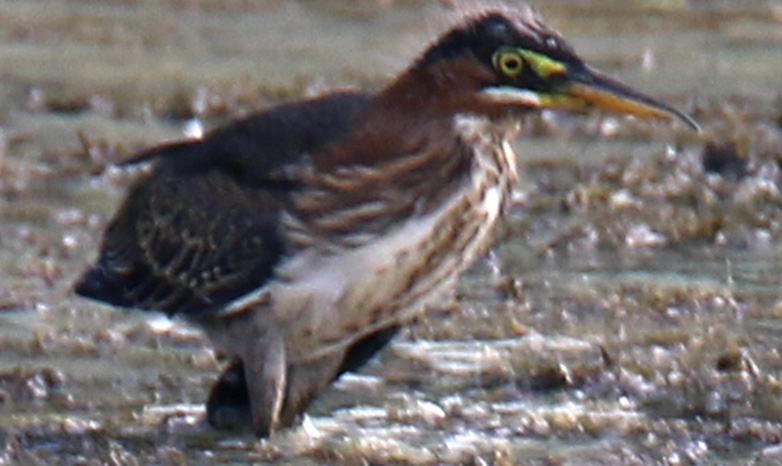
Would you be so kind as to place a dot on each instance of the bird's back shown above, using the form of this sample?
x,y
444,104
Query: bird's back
x,y
203,228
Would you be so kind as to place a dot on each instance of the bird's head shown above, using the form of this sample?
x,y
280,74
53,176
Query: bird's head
x,y
503,61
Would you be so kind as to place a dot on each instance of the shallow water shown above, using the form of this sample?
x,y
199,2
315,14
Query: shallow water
x,y
629,314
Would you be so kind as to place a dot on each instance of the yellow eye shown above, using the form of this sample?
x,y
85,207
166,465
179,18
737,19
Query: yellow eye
x,y
509,62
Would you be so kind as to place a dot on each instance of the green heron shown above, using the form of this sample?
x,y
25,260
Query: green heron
x,y
301,238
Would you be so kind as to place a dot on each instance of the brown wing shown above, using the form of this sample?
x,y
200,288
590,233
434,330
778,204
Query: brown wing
x,y
203,228
186,244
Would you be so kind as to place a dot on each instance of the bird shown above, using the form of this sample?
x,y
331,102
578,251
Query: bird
x,y
301,239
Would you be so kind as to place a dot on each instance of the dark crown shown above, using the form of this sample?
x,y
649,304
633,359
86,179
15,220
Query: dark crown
x,y
481,35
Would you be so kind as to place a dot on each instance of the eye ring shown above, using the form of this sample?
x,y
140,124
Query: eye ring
x,y
509,62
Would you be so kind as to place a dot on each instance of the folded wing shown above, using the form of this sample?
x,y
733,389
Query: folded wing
x,y
202,229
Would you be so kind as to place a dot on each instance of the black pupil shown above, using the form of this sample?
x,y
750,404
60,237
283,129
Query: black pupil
x,y
512,63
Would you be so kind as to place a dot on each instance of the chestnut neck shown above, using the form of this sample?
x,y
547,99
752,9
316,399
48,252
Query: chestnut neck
x,y
436,90
415,111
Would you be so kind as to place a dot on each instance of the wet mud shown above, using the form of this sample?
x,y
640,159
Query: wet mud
x,y
630,312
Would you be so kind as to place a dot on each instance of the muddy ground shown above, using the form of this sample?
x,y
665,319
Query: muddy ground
x,y
629,314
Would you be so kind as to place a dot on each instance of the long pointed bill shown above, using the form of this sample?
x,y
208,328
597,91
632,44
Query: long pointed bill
x,y
595,89
584,89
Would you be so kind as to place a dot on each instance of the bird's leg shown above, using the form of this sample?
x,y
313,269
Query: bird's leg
x,y
250,391
229,406
306,381
265,371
